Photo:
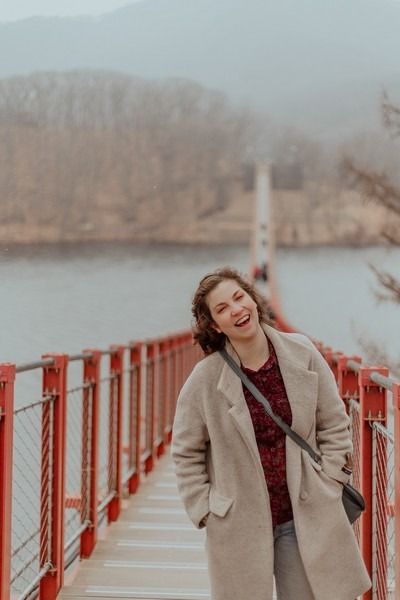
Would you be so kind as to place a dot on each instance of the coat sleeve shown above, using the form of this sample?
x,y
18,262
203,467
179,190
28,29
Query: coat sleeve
x,y
189,448
332,421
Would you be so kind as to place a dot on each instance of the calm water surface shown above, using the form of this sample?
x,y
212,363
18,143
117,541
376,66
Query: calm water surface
x,y
329,293
64,299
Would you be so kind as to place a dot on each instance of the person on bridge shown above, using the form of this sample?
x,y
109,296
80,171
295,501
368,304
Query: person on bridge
x,y
269,510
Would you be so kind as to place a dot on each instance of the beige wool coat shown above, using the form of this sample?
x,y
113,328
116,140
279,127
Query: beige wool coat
x,y
219,471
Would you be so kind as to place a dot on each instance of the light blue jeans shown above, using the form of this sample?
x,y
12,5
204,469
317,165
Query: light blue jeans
x,y
290,577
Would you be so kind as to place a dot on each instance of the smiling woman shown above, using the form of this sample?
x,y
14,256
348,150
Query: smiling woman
x,y
225,301
234,314
270,512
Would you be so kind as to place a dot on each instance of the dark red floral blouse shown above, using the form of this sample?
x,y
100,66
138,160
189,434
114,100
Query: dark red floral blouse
x,y
270,437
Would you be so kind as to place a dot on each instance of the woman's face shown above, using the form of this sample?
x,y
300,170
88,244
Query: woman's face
x,y
233,311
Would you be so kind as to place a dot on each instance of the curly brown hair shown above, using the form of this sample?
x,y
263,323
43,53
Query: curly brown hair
x,y
203,333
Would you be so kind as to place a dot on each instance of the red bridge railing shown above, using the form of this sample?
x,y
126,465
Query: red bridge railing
x,y
68,457
372,400
100,420
373,404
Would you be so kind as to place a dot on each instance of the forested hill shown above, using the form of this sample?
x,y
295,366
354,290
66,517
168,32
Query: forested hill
x,y
91,155
100,155
319,64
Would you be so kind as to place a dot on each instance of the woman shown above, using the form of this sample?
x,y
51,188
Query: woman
x,y
270,511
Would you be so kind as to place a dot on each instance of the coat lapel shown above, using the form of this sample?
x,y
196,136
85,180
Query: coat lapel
x,y
301,384
229,383
231,386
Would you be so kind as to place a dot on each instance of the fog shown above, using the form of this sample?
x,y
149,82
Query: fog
x,y
25,9
314,64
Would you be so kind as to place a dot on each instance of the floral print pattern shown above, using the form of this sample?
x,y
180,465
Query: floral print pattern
x,y
269,436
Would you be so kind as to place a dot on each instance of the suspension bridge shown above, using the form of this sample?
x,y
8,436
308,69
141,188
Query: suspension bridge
x,y
90,507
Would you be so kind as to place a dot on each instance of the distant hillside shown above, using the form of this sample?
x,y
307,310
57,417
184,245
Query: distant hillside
x,y
91,155
318,64
99,156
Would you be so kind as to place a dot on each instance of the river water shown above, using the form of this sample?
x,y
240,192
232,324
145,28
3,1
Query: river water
x,y
66,298
329,294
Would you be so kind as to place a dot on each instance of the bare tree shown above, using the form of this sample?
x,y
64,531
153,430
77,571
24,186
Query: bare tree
x,y
376,185
91,151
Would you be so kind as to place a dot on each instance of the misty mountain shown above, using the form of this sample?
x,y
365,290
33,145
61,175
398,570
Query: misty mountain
x,y
317,64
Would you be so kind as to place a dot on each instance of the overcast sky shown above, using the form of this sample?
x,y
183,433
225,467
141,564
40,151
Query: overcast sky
x,y
13,10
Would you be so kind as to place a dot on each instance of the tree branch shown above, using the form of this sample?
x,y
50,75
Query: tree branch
x,y
373,185
389,283
390,116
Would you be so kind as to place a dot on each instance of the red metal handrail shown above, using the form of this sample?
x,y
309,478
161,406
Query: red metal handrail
x,y
367,387
116,400
364,390
53,476
396,407
148,376
90,445
7,377
139,382
134,429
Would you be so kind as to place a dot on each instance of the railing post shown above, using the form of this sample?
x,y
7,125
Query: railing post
x,y
135,400
319,346
332,361
7,378
158,396
372,408
174,378
349,390
326,352
180,361
168,396
190,355
90,448
396,418
175,385
163,394
347,379
53,476
116,400
149,407
187,350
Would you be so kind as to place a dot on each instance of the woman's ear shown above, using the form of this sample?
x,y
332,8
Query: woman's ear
x,y
217,329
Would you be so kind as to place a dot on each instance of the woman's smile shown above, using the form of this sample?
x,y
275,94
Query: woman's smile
x,y
243,321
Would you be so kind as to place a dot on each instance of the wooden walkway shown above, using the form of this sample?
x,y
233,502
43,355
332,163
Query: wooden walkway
x,y
152,552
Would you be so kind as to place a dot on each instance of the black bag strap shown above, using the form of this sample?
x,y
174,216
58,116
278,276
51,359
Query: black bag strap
x,y
258,396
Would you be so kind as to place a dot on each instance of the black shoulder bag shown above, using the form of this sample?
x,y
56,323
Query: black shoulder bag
x,y
353,501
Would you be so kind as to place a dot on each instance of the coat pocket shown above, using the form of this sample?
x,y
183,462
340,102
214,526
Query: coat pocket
x,y
314,464
219,505
317,467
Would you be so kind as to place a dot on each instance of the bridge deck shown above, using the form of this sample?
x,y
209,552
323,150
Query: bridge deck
x,y
151,552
